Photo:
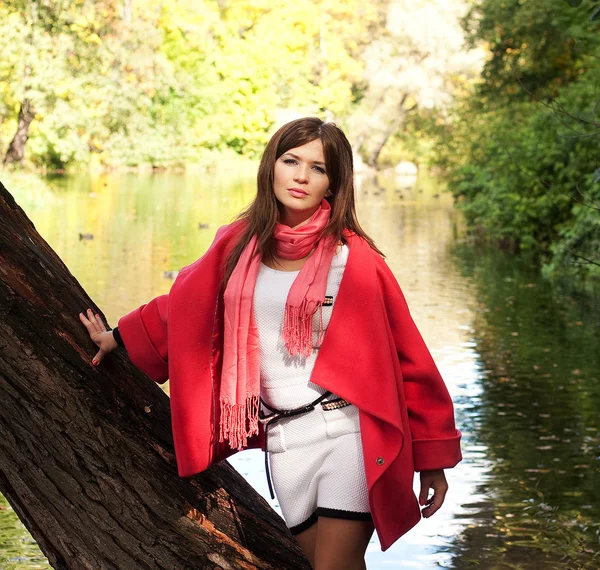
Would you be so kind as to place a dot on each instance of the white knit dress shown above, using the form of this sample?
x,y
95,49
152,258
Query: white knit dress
x,y
316,458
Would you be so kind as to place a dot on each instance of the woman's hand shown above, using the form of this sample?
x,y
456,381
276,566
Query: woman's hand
x,y
435,480
104,339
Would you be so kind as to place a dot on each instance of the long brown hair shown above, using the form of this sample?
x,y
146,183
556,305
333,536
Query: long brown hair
x,y
262,215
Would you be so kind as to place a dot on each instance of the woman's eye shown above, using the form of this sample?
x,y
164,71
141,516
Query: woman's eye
x,y
293,161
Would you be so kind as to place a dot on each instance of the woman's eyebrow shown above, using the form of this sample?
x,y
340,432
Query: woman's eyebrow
x,y
298,158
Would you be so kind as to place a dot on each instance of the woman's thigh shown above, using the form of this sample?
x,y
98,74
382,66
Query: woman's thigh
x,y
341,543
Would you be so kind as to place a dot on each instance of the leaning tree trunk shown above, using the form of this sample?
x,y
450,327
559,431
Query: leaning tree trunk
x,y
16,148
86,454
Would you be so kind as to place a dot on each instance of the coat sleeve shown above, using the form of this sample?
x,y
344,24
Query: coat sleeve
x,y
144,334
435,439
144,330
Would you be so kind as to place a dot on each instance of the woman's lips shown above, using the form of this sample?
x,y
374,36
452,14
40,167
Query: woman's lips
x,y
297,193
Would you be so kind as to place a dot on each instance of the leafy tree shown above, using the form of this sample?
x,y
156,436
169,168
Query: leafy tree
x,y
46,46
534,48
408,67
165,82
521,147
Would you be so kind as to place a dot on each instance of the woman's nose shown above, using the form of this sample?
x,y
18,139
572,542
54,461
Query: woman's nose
x,y
300,175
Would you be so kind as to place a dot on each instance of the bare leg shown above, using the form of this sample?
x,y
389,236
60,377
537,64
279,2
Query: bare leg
x,y
342,544
307,540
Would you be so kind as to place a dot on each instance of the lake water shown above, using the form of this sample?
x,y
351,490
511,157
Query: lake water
x,y
520,355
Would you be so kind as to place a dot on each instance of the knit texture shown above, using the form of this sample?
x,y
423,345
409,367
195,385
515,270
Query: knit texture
x,y
317,463
284,378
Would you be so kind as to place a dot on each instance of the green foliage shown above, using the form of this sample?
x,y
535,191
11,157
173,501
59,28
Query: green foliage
x,y
521,148
579,243
165,83
595,12
534,48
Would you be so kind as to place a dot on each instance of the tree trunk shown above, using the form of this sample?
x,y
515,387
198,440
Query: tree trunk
x,y
86,454
16,148
385,122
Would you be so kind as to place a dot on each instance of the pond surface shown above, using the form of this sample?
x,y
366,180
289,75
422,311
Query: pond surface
x,y
520,356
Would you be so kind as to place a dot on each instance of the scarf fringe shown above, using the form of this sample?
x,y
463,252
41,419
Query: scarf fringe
x,y
235,417
297,328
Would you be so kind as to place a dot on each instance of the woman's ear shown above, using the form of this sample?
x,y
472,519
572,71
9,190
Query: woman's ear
x,y
328,193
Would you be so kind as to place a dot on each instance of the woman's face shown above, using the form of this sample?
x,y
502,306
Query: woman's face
x,y
300,182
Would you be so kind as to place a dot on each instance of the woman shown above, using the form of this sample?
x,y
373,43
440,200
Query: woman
x,y
291,334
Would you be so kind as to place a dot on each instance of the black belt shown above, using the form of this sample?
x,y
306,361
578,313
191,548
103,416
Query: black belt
x,y
277,415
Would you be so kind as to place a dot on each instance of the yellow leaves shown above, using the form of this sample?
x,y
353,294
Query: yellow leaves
x,y
93,39
63,87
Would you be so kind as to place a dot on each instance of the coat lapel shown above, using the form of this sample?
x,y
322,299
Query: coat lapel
x,y
355,360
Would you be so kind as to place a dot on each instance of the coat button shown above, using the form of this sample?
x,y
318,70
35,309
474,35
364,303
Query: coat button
x,y
380,461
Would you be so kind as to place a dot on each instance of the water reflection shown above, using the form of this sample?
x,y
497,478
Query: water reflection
x,y
538,417
17,549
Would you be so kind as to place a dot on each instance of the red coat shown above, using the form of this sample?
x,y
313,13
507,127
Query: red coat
x,y
372,355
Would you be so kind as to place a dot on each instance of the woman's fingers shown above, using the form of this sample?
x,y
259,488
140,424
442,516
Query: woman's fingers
x,y
96,329
434,503
93,323
435,480
423,494
87,323
88,319
92,318
436,500
98,358
100,323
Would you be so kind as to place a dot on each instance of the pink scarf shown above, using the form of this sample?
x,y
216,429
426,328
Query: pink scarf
x,y
240,378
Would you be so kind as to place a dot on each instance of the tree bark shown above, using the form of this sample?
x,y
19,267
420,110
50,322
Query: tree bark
x,y
86,454
16,148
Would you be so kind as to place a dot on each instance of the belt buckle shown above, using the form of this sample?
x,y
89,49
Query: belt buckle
x,y
334,404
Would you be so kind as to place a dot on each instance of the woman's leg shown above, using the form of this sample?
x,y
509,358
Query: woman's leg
x,y
307,540
342,543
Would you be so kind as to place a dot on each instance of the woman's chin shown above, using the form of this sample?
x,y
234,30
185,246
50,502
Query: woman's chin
x,y
295,214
